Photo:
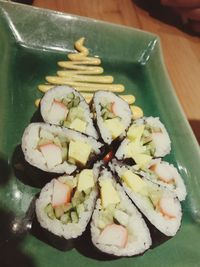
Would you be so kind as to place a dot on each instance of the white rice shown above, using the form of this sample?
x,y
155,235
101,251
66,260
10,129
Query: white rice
x,y
178,188
55,226
139,238
169,227
34,156
123,110
161,141
60,92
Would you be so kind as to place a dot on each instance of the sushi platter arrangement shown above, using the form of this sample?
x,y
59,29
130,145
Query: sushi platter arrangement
x,y
98,162
108,168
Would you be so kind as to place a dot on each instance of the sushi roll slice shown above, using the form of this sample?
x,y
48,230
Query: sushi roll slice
x,y
55,149
113,115
64,106
163,173
117,227
65,205
146,138
159,205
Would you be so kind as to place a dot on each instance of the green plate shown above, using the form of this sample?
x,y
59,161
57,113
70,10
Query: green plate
x,y
31,42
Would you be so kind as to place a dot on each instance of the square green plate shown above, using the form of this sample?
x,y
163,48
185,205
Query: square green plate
x,y
31,42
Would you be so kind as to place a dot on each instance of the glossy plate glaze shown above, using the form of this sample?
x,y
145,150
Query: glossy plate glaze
x,y
31,42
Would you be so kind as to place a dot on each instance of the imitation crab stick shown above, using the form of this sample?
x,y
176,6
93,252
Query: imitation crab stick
x,y
165,206
52,154
58,111
114,234
61,194
164,173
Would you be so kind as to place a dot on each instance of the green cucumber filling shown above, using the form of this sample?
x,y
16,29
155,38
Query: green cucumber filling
x,y
46,137
75,111
107,111
69,212
113,213
153,197
146,139
63,149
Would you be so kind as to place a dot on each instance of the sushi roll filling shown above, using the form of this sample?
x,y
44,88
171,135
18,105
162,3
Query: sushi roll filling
x,y
111,120
108,110
143,135
68,112
157,172
153,196
114,219
68,209
57,149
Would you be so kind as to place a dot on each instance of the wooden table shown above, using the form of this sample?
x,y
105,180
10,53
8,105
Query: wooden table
x,y
181,50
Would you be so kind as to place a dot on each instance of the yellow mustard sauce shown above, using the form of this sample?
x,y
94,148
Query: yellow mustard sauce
x,y
85,75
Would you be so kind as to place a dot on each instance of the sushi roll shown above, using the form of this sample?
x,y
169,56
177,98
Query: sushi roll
x,y
146,138
64,106
65,205
59,150
163,173
113,115
159,205
117,227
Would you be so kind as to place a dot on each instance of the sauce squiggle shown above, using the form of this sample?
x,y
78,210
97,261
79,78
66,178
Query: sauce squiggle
x,y
84,73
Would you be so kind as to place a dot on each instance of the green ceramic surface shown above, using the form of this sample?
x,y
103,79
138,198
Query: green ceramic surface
x,y
31,42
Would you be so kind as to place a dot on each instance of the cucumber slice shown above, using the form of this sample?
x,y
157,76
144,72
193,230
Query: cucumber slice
x,y
150,202
70,104
106,115
65,101
150,148
105,219
64,144
76,101
58,211
66,207
64,153
77,198
49,211
146,133
46,135
74,217
121,217
63,139
146,140
66,123
72,115
109,106
71,96
75,112
154,197
57,141
80,209
65,218
111,115
104,110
